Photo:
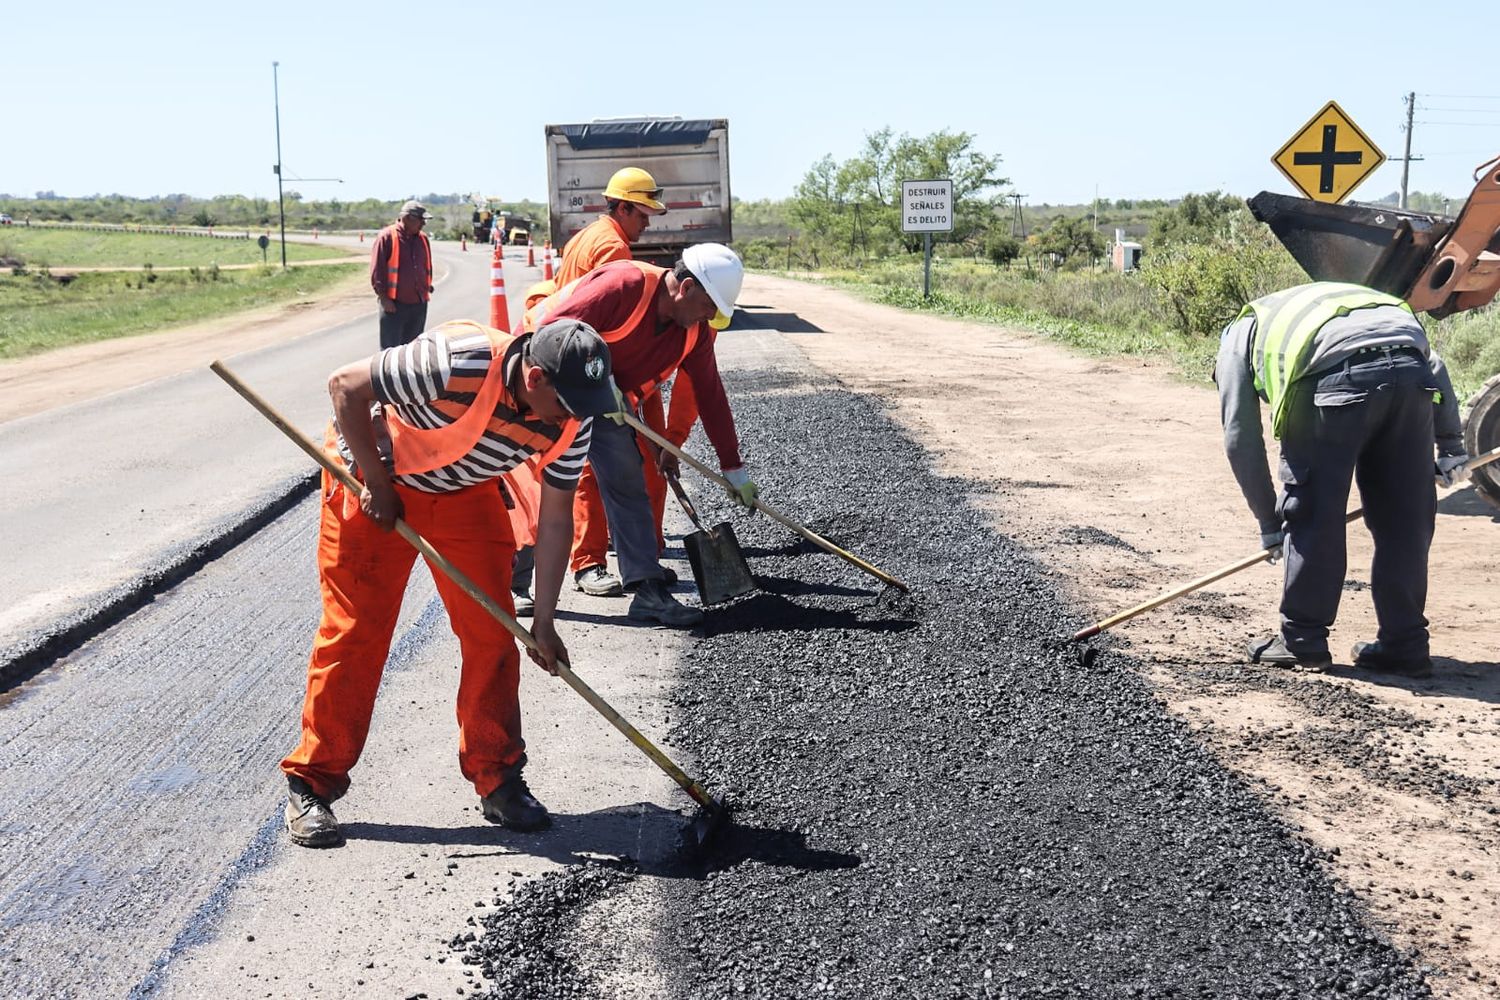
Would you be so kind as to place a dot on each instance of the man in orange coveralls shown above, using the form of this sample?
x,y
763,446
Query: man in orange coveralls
x,y
457,407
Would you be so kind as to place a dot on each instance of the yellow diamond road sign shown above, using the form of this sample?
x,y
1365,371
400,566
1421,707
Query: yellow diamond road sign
x,y
1329,156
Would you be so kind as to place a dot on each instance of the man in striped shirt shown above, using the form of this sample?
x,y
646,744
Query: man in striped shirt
x,y
429,427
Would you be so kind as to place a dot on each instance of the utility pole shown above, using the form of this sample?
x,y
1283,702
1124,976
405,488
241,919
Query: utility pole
x,y
1017,220
1411,111
280,198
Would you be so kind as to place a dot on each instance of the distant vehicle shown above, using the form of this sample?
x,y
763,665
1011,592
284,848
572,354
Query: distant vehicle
x,y
5,220
688,158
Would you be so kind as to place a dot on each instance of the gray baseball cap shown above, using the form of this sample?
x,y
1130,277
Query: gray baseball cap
x,y
576,359
415,208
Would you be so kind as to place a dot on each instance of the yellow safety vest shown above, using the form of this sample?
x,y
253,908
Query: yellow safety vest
x,y
1286,324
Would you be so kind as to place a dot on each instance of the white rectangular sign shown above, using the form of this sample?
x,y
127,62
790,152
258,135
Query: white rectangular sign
x,y
927,206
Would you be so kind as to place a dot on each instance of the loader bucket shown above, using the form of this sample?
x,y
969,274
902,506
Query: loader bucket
x,y
1379,247
1438,265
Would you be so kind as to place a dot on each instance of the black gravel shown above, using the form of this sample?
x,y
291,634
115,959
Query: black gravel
x,y
934,796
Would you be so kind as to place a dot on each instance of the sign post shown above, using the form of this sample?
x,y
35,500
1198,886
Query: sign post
x,y
927,208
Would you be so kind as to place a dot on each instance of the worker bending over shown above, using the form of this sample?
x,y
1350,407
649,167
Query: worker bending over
x,y
1356,392
631,199
656,321
429,427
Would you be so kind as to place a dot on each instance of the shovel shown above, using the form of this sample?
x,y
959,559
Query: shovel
x,y
713,813
812,536
1251,560
719,567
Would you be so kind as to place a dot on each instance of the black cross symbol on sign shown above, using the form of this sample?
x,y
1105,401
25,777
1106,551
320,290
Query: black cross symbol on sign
x,y
1327,158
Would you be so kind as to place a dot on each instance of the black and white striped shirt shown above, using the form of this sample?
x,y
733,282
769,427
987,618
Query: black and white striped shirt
x,y
429,382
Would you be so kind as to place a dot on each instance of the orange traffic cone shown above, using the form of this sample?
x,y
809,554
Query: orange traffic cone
x,y
499,307
547,262
361,235
463,242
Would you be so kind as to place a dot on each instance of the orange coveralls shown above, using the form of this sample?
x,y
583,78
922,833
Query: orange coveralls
x,y
362,574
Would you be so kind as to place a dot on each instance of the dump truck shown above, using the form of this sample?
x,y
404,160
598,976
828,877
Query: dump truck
x,y
688,157
1438,265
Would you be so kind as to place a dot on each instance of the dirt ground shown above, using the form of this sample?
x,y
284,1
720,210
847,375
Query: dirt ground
x,y
1112,473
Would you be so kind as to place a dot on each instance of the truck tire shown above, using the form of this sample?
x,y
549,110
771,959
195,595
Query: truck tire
x,y
1482,434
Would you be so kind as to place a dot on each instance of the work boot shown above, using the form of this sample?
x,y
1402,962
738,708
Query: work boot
x,y
514,807
525,604
1372,656
654,603
596,581
309,819
1273,652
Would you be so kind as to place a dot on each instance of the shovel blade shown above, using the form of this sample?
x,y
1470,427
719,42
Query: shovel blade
x,y
719,567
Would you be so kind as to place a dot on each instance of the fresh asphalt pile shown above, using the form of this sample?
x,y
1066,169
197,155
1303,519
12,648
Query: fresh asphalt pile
x,y
934,796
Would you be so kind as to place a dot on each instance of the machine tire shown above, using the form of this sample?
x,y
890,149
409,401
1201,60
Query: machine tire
x,y
1482,434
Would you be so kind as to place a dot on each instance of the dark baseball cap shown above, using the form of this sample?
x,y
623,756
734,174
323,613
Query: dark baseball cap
x,y
576,359
416,208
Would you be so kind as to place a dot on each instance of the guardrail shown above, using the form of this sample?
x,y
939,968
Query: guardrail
x,y
115,227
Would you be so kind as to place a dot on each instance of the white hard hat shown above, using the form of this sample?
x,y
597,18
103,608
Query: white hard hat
x,y
719,271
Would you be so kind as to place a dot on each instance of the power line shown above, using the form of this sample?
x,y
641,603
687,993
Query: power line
x,y
1462,97
1496,125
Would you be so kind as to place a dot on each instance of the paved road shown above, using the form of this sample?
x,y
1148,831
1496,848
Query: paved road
x,y
137,779
101,493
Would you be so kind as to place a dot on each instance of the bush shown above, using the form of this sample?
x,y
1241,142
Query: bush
x,y
1201,287
1002,248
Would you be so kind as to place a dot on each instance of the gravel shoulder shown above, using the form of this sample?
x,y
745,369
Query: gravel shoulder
x,y
1111,473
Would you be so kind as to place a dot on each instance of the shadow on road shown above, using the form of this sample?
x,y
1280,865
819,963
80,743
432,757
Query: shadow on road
x,y
643,836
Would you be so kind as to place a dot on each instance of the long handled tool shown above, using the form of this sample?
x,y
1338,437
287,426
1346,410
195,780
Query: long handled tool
x,y
719,567
714,813
767,509
1230,570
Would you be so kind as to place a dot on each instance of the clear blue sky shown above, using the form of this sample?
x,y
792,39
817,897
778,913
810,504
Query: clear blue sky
x,y
1142,100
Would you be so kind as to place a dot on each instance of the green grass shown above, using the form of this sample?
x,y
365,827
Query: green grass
x,y
38,313
60,248
1109,314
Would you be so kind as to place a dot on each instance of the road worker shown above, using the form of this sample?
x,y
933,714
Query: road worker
x,y
631,198
401,274
429,427
1355,392
656,321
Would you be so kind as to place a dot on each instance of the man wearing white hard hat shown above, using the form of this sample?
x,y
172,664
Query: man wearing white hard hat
x,y
655,320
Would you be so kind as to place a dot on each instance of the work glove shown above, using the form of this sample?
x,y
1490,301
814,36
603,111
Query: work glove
x,y
1452,469
618,416
1272,541
741,490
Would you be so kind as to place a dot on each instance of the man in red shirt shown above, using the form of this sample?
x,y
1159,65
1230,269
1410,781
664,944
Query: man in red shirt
x,y
631,198
401,274
656,321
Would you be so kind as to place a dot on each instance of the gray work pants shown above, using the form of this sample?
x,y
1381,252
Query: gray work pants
x,y
402,326
1369,420
622,486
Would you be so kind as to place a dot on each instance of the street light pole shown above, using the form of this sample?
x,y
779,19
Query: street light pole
x,y
280,198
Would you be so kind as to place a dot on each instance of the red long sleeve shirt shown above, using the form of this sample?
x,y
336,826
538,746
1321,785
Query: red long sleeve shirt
x,y
604,299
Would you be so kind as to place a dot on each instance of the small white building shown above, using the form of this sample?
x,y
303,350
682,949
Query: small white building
x,y
1125,255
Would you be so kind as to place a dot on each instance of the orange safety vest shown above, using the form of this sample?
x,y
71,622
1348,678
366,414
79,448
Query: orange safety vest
x,y
393,265
653,275
417,449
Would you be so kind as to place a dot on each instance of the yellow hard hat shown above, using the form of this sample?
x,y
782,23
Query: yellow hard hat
x,y
635,185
